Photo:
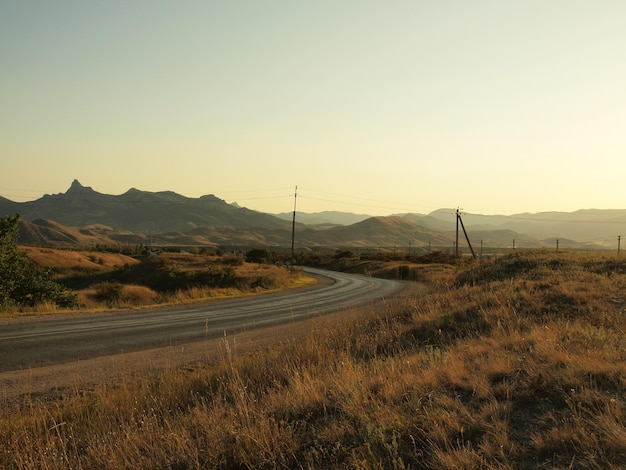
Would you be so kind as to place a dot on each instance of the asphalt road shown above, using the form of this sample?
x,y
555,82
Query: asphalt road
x,y
40,341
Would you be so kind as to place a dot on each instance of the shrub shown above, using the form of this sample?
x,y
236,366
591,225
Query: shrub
x,y
21,282
109,292
258,255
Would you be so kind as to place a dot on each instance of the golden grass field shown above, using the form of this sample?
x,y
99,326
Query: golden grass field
x,y
73,259
251,278
515,362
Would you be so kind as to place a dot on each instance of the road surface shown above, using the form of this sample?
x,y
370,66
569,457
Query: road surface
x,y
39,341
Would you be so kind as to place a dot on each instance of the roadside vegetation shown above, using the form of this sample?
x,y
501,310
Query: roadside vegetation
x,y
514,362
39,280
23,284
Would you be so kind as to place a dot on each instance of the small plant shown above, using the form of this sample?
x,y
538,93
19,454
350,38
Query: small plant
x,y
109,292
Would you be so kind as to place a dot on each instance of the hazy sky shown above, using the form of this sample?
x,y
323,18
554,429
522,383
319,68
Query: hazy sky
x,y
368,106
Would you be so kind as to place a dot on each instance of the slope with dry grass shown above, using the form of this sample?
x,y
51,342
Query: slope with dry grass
x,y
104,280
515,363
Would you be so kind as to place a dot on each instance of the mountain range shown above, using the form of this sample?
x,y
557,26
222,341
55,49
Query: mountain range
x,y
82,217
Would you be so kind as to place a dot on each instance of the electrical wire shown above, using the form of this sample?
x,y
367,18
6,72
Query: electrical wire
x,y
310,194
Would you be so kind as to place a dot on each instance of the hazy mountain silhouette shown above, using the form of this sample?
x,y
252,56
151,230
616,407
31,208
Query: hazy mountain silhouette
x,y
139,211
326,218
588,226
83,217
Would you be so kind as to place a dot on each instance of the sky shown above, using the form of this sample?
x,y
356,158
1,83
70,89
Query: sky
x,y
495,107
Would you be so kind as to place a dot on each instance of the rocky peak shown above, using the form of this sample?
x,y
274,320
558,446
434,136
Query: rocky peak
x,y
77,188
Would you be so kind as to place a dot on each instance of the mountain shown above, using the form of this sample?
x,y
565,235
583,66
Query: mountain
x,y
587,226
84,217
376,231
327,218
139,211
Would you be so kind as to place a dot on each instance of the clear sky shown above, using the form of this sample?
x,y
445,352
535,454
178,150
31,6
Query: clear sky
x,y
367,106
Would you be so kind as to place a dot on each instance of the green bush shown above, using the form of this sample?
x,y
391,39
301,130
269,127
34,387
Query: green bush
x,y
258,255
22,283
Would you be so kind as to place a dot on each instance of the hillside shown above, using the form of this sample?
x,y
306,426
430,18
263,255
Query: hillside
x,y
50,233
324,217
139,211
515,363
590,226
376,231
82,217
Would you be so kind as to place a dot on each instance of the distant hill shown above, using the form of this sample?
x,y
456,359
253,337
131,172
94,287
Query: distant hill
x,y
50,233
139,211
403,233
327,218
84,217
375,231
599,227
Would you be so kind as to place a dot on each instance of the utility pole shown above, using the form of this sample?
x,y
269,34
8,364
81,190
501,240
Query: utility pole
x,y
293,226
456,253
619,242
458,219
557,244
514,244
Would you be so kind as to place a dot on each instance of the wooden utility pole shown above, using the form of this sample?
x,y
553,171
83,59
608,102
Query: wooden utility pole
x,y
456,253
293,226
459,220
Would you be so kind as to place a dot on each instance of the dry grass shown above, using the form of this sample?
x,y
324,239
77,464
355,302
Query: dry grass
x,y
60,260
129,296
516,363
101,271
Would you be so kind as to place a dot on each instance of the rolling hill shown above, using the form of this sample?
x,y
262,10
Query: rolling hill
x,y
83,217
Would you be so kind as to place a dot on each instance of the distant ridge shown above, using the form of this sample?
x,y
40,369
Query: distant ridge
x,y
82,216
325,217
139,211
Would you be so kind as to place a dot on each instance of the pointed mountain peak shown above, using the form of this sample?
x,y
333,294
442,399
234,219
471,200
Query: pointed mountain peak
x,y
77,188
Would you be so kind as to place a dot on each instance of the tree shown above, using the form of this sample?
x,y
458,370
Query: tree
x,y
258,255
21,282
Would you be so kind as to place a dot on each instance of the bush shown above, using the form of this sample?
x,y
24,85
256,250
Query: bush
x,y
258,255
22,283
109,292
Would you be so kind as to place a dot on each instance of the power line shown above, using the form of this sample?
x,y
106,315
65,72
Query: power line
x,y
366,202
351,200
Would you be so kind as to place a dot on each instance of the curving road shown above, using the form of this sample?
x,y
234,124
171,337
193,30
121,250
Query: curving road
x,y
42,341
